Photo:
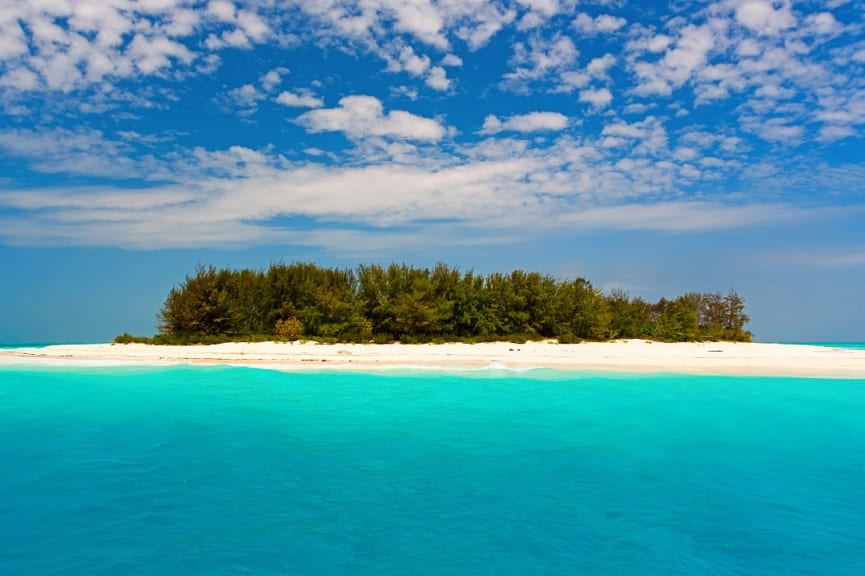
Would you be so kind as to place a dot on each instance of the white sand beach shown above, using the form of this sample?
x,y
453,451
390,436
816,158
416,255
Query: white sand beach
x,y
625,356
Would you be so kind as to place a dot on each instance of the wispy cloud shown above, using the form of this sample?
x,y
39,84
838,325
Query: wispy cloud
x,y
493,191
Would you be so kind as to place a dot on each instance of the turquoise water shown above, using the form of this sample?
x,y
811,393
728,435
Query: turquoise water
x,y
216,470
848,345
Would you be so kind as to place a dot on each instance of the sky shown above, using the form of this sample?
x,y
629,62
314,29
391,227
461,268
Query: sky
x,y
658,147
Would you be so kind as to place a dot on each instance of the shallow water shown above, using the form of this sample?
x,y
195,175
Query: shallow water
x,y
845,345
217,470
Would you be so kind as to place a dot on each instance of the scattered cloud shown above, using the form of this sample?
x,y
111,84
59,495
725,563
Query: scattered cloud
x,y
273,78
765,16
363,116
603,24
695,117
531,122
245,99
538,60
598,98
452,60
295,100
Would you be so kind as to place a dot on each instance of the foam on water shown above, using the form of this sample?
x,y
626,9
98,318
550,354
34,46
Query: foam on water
x,y
221,470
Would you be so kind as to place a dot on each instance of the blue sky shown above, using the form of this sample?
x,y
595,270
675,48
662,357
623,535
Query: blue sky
x,y
657,147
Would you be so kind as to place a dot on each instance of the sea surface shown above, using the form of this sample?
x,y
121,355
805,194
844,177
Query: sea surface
x,y
847,345
227,470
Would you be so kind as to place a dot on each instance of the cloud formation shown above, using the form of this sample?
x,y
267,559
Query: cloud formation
x,y
363,116
531,122
420,117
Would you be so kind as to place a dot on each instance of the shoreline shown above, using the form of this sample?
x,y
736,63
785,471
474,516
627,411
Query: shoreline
x,y
624,356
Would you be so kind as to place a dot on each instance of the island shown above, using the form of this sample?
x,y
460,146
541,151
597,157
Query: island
x,y
377,304
301,315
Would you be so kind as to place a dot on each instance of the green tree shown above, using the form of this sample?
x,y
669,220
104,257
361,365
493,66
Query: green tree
x,y
419,304
288,329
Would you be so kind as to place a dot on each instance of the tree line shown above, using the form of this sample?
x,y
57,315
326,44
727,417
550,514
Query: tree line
x,y
408,304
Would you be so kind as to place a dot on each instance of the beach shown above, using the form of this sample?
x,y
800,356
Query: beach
x,y
715,358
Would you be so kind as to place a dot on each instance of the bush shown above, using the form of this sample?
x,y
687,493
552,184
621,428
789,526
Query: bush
x,y
127,338
288,329
364,328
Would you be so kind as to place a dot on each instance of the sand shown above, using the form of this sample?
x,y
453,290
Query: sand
x,y
623,356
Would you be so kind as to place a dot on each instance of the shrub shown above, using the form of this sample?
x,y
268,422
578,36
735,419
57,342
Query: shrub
x,y
127,338
288,329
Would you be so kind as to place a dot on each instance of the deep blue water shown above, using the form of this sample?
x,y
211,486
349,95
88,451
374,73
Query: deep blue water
x,y
216,470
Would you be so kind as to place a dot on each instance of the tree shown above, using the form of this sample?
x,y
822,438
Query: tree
x,y
201,306
288,329
735,318
419,304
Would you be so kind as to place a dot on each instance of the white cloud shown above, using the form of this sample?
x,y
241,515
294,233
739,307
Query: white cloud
x,y
835,132
295,100
76,151
598,67
598,98
222,9
479,20
452,60
407,60
545,7
787,73
531,122
75,45
253,25
472,21
765,16
823,23
245,98
362,116
679,64
21,79
603,24
409,92
494,190
437,79
537,13
540,59
774,129
273,78
530,20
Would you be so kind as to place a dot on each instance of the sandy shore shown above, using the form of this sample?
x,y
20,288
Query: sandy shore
x,y
626,356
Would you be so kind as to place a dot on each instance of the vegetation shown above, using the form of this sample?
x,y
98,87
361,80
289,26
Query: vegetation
x,y
400,302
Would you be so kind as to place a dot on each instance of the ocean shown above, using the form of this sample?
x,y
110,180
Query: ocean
x,y
229,470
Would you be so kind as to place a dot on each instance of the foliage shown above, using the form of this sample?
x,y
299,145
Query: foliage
x,y
288,329
127,338
400,302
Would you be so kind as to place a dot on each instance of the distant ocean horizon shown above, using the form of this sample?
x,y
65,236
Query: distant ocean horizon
x,y
851,345
225,470
14,345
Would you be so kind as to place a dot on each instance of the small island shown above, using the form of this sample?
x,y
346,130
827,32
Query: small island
x,y
299,316
406,304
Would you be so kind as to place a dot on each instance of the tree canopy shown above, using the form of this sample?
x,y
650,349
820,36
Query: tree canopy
x,y
409,304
